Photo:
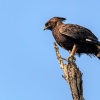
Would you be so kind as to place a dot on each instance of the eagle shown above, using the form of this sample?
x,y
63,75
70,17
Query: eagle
x,y
74,38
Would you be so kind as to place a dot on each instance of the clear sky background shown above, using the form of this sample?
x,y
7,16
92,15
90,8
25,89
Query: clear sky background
x,y
29,69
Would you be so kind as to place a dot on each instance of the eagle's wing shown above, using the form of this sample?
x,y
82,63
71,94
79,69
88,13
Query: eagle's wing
x,y
78,32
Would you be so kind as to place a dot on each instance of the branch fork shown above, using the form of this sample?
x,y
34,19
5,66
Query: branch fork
x,y
72,75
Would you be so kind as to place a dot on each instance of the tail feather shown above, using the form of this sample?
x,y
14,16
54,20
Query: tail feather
x,y
98,43
98,54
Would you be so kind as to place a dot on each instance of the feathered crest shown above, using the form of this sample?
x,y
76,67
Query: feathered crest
x,y
61,18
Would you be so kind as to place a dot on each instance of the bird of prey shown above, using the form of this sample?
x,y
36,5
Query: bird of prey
x,y
74,38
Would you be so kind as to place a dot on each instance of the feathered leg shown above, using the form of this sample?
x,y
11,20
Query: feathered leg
x,y
71,58
73,50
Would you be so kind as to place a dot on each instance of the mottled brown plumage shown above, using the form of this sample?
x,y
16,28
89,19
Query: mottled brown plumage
x,y
68,35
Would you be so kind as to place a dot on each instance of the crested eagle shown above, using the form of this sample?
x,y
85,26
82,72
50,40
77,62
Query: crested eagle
x,y
74,38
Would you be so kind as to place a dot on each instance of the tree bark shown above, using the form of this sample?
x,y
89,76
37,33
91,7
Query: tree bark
x,y
72,75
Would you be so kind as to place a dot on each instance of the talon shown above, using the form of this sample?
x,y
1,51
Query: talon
x,y
71,59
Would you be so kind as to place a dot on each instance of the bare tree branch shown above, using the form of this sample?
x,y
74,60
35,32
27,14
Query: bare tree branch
x,y
72,75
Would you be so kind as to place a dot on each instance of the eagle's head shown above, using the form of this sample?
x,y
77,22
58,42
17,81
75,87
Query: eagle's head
x,y
53,22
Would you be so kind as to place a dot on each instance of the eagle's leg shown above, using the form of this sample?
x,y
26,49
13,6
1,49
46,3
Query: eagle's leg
x,y
71,58
74,49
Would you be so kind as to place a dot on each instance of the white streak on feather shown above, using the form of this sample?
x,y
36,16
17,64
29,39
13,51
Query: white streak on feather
x,y
88,40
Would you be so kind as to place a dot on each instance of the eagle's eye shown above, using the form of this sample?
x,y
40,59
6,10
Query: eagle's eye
x,y
47,24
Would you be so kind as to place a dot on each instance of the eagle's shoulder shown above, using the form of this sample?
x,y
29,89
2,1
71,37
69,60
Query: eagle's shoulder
x,y
76,31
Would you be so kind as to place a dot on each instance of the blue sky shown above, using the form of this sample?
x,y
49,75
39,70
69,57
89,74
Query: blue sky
x,y
29,69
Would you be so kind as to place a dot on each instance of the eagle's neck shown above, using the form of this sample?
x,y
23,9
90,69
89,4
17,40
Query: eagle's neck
x,y
56,28
57,35
59,23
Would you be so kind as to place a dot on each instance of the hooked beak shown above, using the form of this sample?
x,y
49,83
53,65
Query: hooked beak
x,y
45,28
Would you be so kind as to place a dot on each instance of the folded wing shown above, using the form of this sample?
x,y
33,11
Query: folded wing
x,y
78,32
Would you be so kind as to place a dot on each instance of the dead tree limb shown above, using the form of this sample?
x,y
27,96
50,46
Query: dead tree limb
x,y
72,75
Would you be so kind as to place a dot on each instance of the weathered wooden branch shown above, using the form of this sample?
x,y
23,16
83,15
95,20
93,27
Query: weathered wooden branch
x,y
72,75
